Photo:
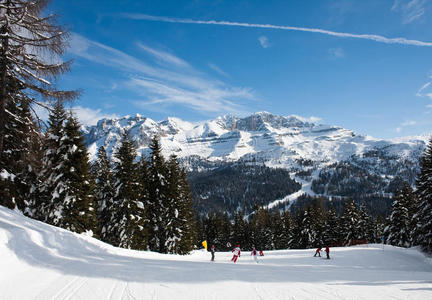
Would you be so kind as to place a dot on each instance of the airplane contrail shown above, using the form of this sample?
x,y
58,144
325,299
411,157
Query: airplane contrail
x,y
373,37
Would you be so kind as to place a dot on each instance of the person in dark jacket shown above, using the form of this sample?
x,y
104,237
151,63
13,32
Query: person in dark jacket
x,y
327,250
212,250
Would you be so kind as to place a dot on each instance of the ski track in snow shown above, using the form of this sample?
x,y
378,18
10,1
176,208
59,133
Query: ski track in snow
x,y
45,262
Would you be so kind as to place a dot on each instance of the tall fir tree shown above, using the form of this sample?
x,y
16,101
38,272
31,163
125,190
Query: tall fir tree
x,y
79,206
20,160
366,226
127,224
240,232
350,223
398,230
332,231
104,192
423,229
48,207
157,198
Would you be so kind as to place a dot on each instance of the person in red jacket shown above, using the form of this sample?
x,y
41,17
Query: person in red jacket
x,y
261,253
318,251
327,250
236,251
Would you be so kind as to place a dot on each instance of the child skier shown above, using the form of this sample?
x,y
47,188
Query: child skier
x,y
254,254
236,252
318,251
327,250
261,253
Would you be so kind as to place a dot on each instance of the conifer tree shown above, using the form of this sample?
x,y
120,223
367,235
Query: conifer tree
x,y
79,206
423,215
48,207
129,215
285,240
350,223
157,198
261,230
104,192
366,227
240,232
398,231
20,161
332,231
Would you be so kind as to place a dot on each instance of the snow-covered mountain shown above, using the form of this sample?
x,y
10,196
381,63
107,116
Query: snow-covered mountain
x,y
277,141
314,154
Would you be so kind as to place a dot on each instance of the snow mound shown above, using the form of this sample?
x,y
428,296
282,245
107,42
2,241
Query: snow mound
x,y
39,261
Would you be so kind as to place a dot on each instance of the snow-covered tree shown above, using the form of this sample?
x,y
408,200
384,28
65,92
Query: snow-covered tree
x,y
31,45
423,216
79,213
104,192
350,224
20,161
398,231
157,204
332,234
128,217
48,207
366,226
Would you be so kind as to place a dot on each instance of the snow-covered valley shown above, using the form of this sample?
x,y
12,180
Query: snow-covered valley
x,y
40,261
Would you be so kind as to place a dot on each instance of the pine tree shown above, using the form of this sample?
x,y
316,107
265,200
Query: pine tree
x,y
261,230
79,213
398,232
286,238
350,223
187,217
158,198
48,207
21,158
332,231
27,37
104,192
127,225
240,232
423,215
366,225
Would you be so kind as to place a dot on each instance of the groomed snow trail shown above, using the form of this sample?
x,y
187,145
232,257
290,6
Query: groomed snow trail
x,y
39,261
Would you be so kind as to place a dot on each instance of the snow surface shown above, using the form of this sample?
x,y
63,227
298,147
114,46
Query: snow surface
x,y
39,261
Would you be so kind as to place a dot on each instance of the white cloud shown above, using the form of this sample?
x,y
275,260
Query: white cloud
x,y
218,70
264,41
406,124
311,119
373,37
410,10
89,116
176,82
164,56
337,52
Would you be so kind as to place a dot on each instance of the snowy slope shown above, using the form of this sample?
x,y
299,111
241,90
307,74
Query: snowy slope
x,y
39,261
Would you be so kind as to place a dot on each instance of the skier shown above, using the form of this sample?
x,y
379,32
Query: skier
x,y
327,250
261,253
254,254
212,250
318,251
236,252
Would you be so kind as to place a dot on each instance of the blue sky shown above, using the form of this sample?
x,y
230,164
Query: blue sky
x,y
364,65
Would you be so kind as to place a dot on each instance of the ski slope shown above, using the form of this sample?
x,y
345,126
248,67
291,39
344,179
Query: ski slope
x,y
39,261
